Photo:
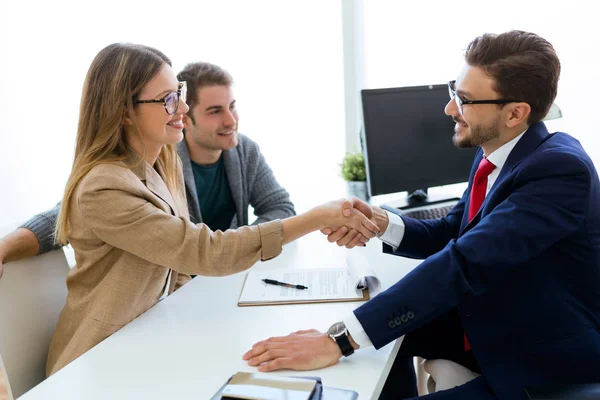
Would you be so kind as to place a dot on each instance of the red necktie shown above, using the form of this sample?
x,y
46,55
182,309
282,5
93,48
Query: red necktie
x,y
479,186
477,196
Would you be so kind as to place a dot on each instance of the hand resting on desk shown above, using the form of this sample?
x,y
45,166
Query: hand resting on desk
x,y
301,351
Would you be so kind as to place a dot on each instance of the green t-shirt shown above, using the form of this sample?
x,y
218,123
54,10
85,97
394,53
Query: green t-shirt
x,y
214,195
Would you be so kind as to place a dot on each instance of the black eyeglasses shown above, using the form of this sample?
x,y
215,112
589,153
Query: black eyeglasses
x,y
170,101
460,101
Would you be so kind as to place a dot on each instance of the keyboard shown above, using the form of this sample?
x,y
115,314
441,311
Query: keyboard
x,y
429,213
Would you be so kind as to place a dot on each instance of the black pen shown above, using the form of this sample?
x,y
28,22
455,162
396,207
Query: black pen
x,y
274,282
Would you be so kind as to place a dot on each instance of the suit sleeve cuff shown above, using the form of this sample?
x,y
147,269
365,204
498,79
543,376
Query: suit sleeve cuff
x,y
395,231
271,237
356,330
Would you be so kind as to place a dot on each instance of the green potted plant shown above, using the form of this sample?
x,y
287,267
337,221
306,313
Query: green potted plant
x,y
355,174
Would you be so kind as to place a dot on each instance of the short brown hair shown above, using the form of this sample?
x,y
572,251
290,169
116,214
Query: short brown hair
x,y
199,75
524,66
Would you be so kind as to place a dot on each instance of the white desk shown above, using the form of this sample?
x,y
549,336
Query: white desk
x,y
189,344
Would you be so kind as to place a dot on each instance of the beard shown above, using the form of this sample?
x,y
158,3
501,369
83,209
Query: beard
x,y
477,135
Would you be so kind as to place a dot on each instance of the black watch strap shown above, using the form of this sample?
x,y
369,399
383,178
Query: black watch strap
x,y
345,345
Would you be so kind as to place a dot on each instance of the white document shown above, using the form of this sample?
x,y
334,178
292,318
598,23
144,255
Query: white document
x,y
334,284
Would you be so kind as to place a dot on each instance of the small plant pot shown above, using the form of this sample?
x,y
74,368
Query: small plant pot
x,y
358,189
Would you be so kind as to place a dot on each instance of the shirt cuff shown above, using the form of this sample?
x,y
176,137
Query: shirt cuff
x,y
356,331
395,231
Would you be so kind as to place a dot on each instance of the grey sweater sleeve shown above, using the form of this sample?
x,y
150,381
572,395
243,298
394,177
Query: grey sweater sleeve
x,y
269,200
42,225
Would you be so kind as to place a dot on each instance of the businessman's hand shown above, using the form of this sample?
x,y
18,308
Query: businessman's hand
x,y
1,269
347,237
301,351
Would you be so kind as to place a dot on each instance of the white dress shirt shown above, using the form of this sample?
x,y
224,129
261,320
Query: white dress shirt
x,y
395,232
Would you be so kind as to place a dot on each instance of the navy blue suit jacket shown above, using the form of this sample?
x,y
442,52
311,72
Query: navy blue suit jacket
x,y
524,273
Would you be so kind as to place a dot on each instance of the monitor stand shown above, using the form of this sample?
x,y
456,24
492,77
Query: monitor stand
x,y
420,198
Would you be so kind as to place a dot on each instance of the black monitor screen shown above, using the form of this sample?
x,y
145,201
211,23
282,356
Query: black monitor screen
x,y
408,140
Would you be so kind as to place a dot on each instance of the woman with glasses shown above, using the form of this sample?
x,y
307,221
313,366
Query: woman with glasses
x,y
124,208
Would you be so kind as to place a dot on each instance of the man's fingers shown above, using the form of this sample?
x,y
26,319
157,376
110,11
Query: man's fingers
x,y
326,231
268,355
262,346
357,241
366,232
347,238
249,354
337,235
259,348
371,227
278,363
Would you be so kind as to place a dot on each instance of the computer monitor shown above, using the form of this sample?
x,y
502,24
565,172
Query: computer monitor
x,y
407,142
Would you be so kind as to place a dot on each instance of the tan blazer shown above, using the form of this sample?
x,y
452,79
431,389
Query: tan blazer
x,y
128,232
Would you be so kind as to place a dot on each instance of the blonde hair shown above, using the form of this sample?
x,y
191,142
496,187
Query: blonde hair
x,y
116,76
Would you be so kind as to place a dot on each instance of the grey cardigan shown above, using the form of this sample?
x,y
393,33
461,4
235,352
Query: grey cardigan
x,y
251,182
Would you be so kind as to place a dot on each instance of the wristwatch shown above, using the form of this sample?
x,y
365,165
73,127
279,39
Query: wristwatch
x,y
339,333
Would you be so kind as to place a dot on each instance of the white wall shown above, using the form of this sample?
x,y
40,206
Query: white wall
x,y
417,43
286,58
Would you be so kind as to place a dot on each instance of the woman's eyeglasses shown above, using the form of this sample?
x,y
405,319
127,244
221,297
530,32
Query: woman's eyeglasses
x,y
171,100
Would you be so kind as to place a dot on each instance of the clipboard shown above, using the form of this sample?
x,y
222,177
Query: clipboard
x,y
251,296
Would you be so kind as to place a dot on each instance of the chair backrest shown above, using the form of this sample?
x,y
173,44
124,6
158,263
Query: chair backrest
x,y
32,294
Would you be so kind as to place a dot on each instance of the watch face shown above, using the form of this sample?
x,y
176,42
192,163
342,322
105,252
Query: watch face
x,y
336,329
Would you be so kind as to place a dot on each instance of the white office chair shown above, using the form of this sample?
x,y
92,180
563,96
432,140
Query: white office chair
x,y
32,294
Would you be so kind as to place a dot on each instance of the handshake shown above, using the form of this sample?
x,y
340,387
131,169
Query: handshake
x,y
351,222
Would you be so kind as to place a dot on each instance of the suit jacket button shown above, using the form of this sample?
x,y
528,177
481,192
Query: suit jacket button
x,y
410,315
404,318
391,324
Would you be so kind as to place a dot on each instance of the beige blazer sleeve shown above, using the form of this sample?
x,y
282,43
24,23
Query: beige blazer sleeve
x,y
123,212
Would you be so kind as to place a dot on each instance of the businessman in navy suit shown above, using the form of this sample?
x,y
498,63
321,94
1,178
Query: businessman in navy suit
x,y
510,285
